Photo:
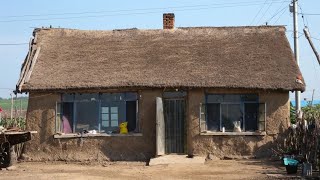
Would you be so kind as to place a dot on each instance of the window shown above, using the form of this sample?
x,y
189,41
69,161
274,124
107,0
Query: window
x,y
229,111
100,112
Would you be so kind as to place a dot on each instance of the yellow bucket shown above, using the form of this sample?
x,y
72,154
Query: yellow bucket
x,y
123,128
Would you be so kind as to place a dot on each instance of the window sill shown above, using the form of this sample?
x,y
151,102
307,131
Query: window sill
x,y
62,136
211,133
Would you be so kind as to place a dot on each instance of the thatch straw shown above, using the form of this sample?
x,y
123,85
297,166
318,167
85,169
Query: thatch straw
x,y
222,57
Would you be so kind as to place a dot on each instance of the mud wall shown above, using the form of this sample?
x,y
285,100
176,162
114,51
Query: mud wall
x,y
238,145
43,147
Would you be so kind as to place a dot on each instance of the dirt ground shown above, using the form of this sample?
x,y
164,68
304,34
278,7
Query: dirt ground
x,y
216,169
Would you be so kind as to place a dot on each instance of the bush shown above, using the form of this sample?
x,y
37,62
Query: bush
x,y
14,122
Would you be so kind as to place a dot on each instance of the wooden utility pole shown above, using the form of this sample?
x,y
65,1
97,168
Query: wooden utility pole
x,y
307,34
312,97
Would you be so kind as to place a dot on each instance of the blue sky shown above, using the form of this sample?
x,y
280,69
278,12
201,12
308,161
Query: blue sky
x,y
18,18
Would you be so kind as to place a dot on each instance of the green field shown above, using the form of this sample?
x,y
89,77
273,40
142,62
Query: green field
x,y
5,104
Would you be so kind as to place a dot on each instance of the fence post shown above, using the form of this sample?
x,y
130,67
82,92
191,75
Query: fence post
x,y
11,112
20,108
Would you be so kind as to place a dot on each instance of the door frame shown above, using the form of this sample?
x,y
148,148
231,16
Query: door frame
x,y
177,95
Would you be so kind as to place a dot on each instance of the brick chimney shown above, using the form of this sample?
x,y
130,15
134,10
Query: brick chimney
x,y
168,21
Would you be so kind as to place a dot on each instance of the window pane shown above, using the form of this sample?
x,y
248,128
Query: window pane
x,y
114,123
262,116
214,98
87,97
213,117
67,117
68,97
104,109
58,123
203,120
131,96
105,123
87,115
108,97
114,109
105,117
174,94
251,116
131,115
58,111
114,117
250,98
232,98
231,113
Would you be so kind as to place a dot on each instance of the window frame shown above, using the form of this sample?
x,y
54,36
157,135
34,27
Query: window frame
x,y
74,101
203,116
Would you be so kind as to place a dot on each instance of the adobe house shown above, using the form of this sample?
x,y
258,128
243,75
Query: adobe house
x,y
193,90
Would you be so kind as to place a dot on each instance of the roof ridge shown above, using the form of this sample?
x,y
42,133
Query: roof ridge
x,y
177,28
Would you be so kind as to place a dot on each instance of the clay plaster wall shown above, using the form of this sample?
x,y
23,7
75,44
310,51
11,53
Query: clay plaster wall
x,y
41,118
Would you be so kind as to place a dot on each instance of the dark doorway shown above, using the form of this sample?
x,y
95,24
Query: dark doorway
x,y
174,117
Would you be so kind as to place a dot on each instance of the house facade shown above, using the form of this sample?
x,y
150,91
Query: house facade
x,y
195,91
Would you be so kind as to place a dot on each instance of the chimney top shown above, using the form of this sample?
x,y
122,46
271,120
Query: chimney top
x,y
168,21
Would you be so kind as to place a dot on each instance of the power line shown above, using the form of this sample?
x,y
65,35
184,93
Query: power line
x,y
258,12
277,12
310,14
301,33
265,12
304,22
302,16
239,4
125,10
279,16
13,44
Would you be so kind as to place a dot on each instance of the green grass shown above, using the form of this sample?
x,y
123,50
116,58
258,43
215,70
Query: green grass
x,y
5,104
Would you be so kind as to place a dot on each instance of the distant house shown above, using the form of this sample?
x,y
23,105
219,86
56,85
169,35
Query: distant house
x,y
193,90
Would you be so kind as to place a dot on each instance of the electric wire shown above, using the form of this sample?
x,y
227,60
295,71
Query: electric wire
x,y
301,33
13,44
279,10
258,12
139,13
305,22
275,22
265,12
124,10
310,14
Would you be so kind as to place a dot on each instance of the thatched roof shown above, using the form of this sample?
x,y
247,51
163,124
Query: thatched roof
x,y
220,57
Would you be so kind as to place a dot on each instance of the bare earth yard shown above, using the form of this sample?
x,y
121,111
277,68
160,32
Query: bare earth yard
x,y
219,169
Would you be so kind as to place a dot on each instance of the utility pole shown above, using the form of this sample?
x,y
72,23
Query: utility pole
x,y
312,97
307,34
296,49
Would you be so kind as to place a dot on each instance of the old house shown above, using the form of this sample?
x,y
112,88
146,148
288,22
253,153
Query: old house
x,y
192,90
